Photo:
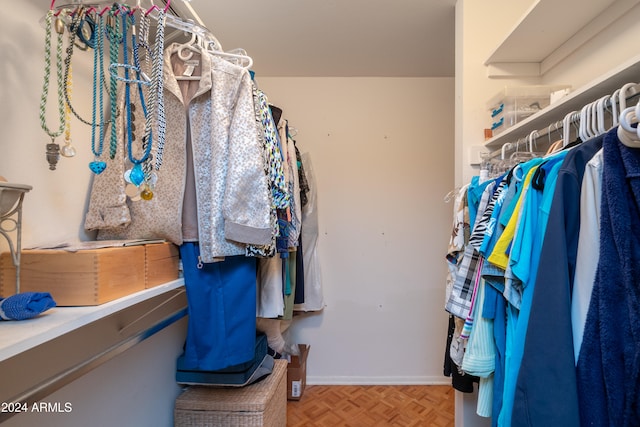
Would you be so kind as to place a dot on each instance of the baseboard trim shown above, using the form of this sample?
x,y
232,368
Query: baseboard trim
x,y
357,380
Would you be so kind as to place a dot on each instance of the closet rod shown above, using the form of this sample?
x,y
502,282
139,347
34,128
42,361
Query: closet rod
x,y
515,145
100,4
559,125
72,373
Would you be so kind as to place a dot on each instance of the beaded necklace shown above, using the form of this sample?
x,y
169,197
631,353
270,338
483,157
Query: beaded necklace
x,y
143,191
135,175
158,80
115,38
52,149
155,103
147,139
79,26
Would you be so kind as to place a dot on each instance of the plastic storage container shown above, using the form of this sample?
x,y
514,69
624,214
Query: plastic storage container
x,y
515,103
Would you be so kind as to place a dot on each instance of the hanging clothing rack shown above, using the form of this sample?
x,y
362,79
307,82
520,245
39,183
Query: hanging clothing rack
x,y
180,15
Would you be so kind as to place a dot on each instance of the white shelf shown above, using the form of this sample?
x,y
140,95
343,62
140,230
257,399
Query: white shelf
x,y
19,336
552,30
606,84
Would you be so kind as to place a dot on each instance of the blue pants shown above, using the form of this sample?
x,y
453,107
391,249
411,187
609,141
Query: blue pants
x,y
222,310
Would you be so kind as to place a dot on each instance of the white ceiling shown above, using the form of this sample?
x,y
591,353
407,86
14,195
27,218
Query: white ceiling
x,y
329,38
336,38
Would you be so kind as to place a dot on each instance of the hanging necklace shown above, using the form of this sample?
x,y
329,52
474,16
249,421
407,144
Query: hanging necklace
x,y
135,175
150,178
147,139
79,26
67,149
155,103
98,166
52,149
115,38
158,81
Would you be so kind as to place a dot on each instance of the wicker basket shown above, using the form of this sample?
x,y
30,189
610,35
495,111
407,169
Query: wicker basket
x,y
260,404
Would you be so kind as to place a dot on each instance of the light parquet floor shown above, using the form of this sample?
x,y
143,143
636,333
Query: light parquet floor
x,y
373,406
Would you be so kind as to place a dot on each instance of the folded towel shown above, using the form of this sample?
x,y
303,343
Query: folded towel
x,y
25,305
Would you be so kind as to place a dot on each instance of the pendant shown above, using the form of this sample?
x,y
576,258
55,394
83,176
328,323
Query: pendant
x,y
59,25
146,193
97,167
67,149
152,179
135,175
132,192
53,155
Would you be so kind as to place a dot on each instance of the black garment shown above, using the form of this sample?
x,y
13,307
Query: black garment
x,y
460,381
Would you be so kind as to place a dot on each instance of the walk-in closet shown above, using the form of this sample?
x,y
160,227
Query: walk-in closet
x,y
339,213
375,138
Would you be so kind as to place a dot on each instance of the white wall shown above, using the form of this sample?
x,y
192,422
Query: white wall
x,y
382,150
479,28
54,209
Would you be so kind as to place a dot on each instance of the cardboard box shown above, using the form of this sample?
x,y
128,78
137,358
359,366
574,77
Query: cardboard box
x,y
85,277
297,373
260,404
160,264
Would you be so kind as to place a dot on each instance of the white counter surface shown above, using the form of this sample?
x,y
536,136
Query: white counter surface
x,y
22,335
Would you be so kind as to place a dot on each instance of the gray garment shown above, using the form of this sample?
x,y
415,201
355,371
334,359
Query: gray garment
x,y
233,199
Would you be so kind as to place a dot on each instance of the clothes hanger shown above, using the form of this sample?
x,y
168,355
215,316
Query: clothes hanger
x,y
155,8
566,128
553,145
186,50
189,26
623,95
600,113
533,136
585,130
627,133
515,164
589,127
614,107
451,195
244,59
185,53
